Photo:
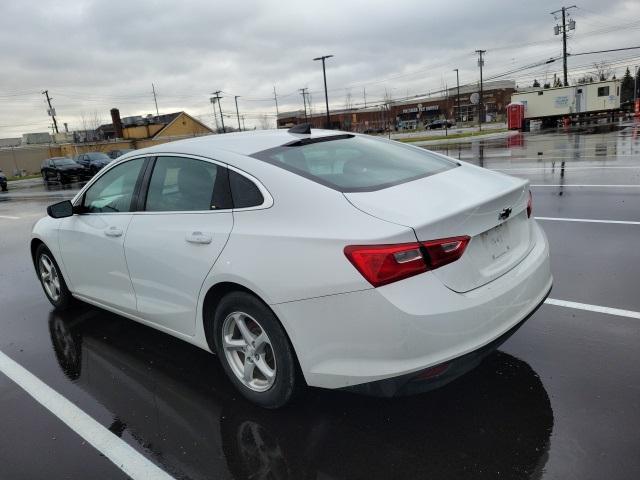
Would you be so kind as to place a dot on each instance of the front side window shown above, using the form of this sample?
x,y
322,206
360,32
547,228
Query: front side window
x,y
113,191
180,184
355,163
603,91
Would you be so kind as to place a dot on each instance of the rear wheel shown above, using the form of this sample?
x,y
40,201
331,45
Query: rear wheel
x,y
254,350
51,279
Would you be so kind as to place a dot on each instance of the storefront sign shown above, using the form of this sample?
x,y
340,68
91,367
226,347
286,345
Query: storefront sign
x,y
420,108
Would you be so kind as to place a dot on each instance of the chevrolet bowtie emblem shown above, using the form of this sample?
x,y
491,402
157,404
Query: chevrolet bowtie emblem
x,y
504,214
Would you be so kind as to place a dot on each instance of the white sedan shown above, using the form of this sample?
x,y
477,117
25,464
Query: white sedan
x,y
304,257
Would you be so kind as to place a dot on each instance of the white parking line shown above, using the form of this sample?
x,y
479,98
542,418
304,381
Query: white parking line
x,y
593,308
584,185
587,220
123,455
9,217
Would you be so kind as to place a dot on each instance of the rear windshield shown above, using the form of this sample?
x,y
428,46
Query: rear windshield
x,y
351,163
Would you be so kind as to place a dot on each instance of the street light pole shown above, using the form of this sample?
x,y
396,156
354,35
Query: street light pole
x,y
326,97
458,96
481,102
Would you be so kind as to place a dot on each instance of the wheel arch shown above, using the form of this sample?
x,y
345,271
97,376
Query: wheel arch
x,y
33,246
212,299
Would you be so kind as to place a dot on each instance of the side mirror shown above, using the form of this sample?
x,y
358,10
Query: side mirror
x,y
60,209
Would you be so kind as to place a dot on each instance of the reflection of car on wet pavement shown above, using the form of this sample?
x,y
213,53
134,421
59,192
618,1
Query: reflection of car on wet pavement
x,y
3,181
174,402
61,170
441,258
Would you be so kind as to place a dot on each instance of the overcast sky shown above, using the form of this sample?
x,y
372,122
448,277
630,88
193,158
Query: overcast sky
x,y
95,55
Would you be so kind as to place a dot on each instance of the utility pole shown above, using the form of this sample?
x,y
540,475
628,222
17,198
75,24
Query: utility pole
x,y
563,29
326,97
51,111
364,94
458,96
480,101
635,86
243,127
217,94
275,97
215,115
303,91
238,113
155,100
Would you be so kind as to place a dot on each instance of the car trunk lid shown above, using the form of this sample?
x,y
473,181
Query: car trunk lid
x,y
487,206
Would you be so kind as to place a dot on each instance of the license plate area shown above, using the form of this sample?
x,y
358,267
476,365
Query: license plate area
x,y
496,241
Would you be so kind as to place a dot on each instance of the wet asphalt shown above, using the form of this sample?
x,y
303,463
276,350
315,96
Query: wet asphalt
x,y
560,399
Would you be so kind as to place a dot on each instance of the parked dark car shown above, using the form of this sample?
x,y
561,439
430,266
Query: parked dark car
x,y
438,124
62,169
116,153
93,161
3,181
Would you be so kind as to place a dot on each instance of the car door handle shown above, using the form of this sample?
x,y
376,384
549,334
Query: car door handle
x,y
199,237
113,232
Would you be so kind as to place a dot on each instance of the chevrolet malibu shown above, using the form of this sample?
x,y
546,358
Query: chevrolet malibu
x,y
304,257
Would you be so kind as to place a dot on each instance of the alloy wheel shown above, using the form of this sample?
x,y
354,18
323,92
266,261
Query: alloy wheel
x,y
249,351
49,276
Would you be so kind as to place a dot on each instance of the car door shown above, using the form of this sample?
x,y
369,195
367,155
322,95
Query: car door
x,y
174,241
92,243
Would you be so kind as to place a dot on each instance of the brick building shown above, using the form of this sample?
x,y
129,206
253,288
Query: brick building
x,y
409,114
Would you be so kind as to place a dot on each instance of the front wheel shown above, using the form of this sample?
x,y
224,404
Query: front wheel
x,y
53,284
255,351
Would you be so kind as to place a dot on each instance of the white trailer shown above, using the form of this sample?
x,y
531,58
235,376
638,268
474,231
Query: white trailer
x,y
588,98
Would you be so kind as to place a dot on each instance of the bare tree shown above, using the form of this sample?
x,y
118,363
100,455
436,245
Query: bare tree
x,y
348,104
265,122
602,70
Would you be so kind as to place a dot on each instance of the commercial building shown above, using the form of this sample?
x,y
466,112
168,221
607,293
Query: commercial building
x,y
414,112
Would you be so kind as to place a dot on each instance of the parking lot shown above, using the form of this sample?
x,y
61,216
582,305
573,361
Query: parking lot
x,y
559,400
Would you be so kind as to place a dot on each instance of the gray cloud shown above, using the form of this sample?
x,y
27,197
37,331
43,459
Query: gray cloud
x,y
94,55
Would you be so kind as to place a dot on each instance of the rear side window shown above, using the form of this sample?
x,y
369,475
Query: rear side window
x,y
245,193
354,163
180,184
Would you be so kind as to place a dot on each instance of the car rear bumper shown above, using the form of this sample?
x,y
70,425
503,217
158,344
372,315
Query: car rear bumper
x,y
399,330
438,375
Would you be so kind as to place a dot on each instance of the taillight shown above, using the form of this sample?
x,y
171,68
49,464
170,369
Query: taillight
x,y
444,251
384,264
529,205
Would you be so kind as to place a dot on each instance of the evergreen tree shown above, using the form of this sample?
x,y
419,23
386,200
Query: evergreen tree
x,y
536,83
626,88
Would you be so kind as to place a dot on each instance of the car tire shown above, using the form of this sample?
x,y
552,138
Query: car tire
x,y
274,354
59,177
4,187
51,279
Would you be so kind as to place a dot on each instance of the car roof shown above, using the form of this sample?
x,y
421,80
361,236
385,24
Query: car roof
x,y
242,143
